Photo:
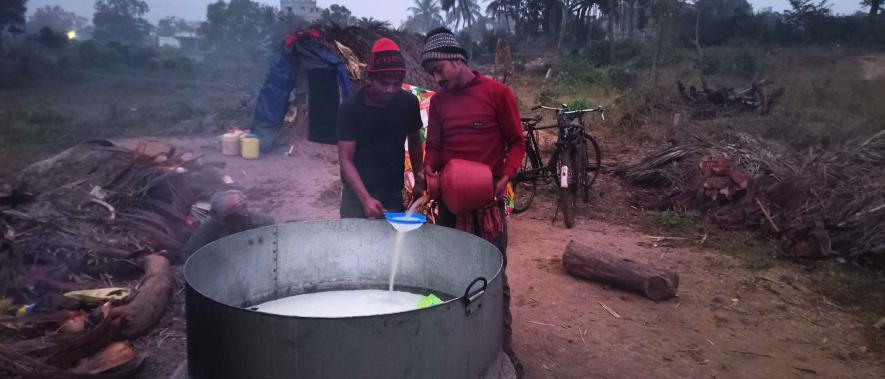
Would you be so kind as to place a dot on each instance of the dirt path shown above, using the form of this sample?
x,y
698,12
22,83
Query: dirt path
x,y
303,186
727,322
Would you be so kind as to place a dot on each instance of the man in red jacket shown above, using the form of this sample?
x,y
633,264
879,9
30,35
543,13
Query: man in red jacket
x,y
473,118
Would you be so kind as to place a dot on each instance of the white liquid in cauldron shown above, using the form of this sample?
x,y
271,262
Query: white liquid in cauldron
x,y
333,304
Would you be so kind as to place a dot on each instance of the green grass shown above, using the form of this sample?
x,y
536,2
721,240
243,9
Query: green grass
x,y
43,118
754,251
682,223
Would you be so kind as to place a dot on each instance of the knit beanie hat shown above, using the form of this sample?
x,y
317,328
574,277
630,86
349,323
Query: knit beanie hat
x,y
440,44
386,61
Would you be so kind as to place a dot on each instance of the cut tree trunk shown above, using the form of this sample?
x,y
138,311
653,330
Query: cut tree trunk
x,y
586,262
150,303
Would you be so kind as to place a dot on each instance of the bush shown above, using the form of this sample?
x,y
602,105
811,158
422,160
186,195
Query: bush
x,y
740,62
93,54
622,78
604,53
580,103
679,222
579,73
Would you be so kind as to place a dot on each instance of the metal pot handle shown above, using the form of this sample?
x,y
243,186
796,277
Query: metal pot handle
x,y
469,298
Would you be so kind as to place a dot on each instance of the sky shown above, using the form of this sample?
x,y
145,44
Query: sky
x,y
394,11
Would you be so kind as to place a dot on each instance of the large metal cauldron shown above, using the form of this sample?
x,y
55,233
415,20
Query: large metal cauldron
x,y
457,339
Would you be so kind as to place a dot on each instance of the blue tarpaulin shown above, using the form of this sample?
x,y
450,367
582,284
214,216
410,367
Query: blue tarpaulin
x,y
273,98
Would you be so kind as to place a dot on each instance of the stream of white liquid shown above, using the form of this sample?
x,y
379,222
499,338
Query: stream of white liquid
x,y
397,251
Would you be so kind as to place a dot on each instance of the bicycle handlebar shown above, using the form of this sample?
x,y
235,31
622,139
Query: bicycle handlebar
x,y
563,111
546,107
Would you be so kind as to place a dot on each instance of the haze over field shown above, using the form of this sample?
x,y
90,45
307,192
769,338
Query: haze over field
x,y
394,11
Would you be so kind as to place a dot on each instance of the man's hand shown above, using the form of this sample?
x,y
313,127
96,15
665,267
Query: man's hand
x,y
501,186
420,183
373,209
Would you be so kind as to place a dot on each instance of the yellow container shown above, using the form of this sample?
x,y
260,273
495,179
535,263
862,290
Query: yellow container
x,y
249,146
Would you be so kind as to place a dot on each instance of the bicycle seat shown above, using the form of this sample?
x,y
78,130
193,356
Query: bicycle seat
x,y
535,118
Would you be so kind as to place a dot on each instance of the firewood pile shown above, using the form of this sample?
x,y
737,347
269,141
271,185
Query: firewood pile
x,y
819,202
91,216
706,103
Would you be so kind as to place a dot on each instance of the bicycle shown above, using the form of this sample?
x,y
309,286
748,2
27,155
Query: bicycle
x,y
575,151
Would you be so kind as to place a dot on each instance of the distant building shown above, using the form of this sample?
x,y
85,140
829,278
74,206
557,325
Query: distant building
x,y
187,40
181,40
304,8
168,42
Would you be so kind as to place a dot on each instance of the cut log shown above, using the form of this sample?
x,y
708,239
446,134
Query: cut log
x,y
588,263
150,303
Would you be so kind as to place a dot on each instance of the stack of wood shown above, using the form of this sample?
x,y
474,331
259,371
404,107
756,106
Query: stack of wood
x,y
710,103
722,179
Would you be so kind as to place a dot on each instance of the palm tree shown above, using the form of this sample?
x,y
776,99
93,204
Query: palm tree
x,y
372,24
505,9
464,14
427,13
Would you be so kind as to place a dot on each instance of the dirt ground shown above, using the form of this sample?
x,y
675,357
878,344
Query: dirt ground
x,y
727,322
873,66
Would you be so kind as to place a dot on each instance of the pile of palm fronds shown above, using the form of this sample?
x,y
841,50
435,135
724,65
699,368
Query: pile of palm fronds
x,y
360,40
90,216
91,209
822,202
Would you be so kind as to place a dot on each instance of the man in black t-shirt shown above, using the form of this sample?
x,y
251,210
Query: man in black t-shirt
x,y
373,126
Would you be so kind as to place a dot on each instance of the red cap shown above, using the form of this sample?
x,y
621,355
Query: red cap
x,y
386,60
384,44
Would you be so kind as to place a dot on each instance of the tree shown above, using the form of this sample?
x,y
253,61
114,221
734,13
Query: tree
x,y
239,25
426,15
806,13
465,9
463,17
503,9
57,19
51,39
875,6
170,25
338,15
373,24
12,16
664,12
715,22
121,20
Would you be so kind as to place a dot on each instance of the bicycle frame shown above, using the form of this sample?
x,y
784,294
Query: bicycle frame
x,y
569,163
567,138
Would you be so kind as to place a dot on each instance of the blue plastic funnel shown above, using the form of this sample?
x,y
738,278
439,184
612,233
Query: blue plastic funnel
x,y
405,222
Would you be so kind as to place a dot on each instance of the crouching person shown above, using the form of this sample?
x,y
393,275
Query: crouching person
x,y
228,215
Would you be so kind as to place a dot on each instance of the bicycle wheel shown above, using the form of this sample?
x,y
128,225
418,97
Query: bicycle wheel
x,y
568,190
593,158
524,186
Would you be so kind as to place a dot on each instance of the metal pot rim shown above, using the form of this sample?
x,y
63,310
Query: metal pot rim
x,y
497,276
